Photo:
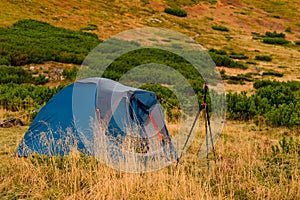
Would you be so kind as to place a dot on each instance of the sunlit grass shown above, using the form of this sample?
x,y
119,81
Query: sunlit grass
x,y
240,172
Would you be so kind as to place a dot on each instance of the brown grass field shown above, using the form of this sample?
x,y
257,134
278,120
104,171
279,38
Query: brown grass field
x,y
241,171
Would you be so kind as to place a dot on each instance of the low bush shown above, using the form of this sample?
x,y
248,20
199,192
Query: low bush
x,y
240,56
176,11
251,63
279,41
276,16
239,79
70,74
30,41
288,30
274,103
282,66
220,28
282,165
41,80
216,51
263,58
90,27
15,97
224,60
272,73
274,35
293,85
14,75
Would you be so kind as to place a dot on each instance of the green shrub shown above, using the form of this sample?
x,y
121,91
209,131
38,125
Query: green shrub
x,y
288,30
279,41
236,82
40,80
286,147
263,58
238,65
176,11
274,34
251,62
263,83
216,51
220,28
90,27
273,73
276,16
240,56
224,60
239,79
293,85
14,75
282,66
4,60
70,74
18,97
30,41
275,103
282,164
297,42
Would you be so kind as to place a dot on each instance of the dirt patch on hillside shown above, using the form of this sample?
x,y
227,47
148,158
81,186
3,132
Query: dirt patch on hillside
x,y
234,3
157,6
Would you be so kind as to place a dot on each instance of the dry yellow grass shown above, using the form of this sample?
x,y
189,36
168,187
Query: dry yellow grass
x,y
240,172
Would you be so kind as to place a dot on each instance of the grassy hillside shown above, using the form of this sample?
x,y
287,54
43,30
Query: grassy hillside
x,y
254,160
244,19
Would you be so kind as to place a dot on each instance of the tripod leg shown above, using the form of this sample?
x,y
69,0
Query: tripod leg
x,y
206,136
189,135
210,133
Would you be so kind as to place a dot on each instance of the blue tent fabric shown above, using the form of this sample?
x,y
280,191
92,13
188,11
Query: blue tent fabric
x,y
52,121
70,120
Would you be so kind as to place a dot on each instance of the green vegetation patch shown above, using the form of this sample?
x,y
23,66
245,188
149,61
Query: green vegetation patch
x,y
282,164
263,58
14,75
221,58
31,41
90,27
15,97
274,34
220,28
18,75
240,56
181,3
238,79
271,38
176,12
272,73
279,41
274,103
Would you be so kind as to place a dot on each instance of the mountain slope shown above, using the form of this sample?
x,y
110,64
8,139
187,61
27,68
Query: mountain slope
x,y
245,19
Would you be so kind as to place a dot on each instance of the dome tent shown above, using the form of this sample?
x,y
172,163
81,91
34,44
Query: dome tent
x,y
101,118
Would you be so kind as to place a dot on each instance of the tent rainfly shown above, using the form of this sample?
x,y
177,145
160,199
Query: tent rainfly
x,y
102,118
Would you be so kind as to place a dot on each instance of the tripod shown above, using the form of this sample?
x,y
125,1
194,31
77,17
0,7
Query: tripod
x,y
208,132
